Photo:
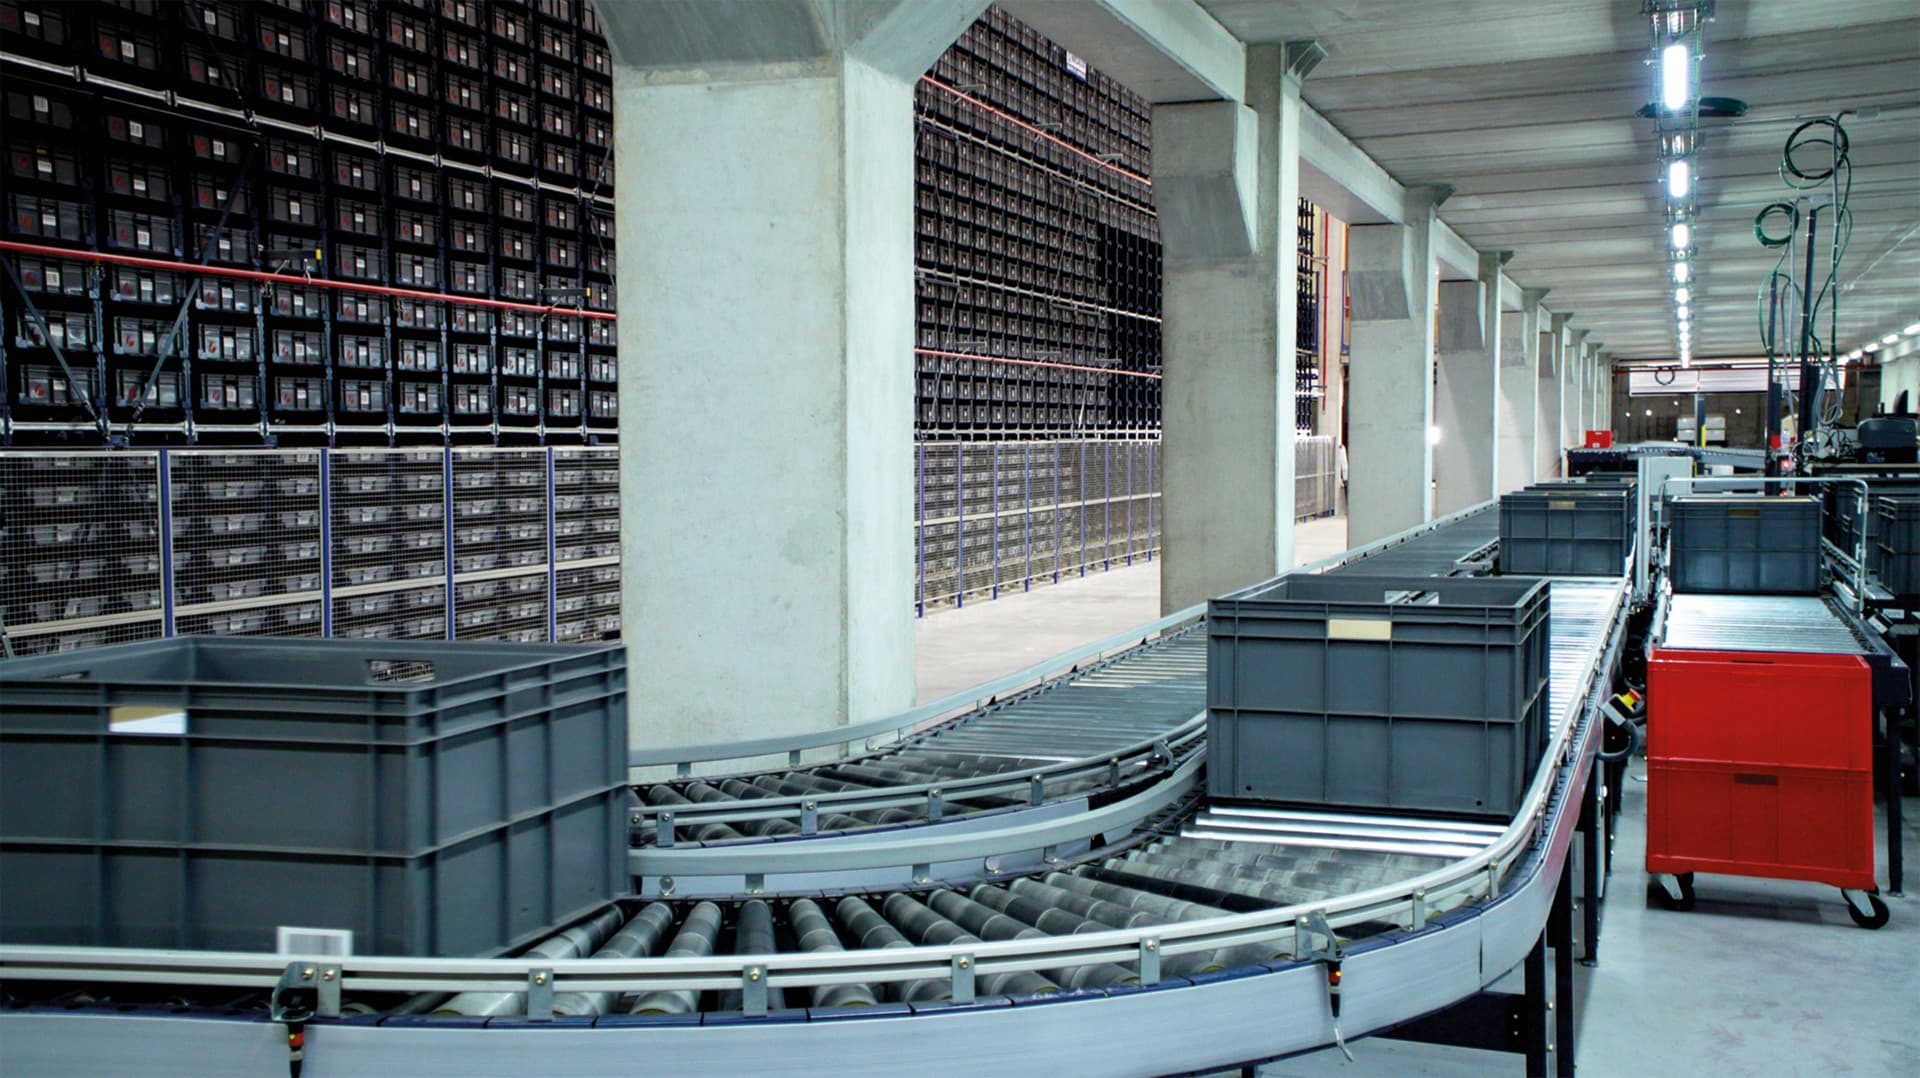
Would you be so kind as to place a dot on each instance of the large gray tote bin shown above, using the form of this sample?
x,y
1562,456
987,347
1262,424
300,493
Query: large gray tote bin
x,y
435,798
1401,694
1567,530
1744,544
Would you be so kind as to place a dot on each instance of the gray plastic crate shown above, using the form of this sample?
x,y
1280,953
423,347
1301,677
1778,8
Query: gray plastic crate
x,y
1744,544
1842,502
1573,530
435,798
1896,546
1404,694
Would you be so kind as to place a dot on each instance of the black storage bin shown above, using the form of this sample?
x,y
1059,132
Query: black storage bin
x,y
434,798
1401,694
1744,544
1895,553
1571,530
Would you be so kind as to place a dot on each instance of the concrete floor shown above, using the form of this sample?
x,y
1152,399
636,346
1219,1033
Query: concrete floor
x,y
957,649
1762,978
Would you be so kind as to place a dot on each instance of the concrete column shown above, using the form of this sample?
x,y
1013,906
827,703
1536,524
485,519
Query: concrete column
x,y
1226,182
1390,401
1519,393
766,335
1572,406
1467,389
1333,326
1553,376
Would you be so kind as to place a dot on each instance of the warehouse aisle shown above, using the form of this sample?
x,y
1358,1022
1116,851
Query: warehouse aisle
x,y
955,649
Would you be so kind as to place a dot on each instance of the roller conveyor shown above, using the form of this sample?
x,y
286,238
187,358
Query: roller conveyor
x,y
1118,722
1185,945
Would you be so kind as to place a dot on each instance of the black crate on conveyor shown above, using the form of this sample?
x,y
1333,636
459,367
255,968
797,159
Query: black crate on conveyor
x,y
1398,694
1566,530
1894,554
1744,544
435,766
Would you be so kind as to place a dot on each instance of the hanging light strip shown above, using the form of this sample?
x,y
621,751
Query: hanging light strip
x,y
1675,59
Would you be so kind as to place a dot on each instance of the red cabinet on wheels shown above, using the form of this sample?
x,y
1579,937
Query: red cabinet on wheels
x,y
1761,765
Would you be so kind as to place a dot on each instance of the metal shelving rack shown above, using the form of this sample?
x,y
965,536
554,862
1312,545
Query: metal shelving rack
x,y
481,543
450,148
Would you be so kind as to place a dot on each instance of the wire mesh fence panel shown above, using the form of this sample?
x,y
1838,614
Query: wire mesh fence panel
x,y
245,529
500,547
586,536
993,516
1315,477
82,540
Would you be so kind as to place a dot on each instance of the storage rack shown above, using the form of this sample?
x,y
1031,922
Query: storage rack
x,y
1038,249
364,542
448,148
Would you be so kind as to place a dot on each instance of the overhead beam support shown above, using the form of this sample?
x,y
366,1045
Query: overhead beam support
x,y
1164,50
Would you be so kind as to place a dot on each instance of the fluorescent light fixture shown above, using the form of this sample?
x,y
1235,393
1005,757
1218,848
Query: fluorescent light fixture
x,y
1912,329
1684,312
1855,354
1680,270
1433,435
1679,178
1870,346
1890,338
1673,76
1682,235
1683,294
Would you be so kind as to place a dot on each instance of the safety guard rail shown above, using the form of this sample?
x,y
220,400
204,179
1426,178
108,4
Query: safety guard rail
x,y
1478,877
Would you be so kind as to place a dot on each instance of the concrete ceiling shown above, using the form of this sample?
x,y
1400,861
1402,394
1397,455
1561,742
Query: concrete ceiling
x,y
1527,111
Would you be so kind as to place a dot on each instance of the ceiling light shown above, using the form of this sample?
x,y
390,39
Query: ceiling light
x,y
1673,76
1682,235
1680,272
1684,312
1683,295
1890,338
1870,346
1679,178
1912,329
1855,354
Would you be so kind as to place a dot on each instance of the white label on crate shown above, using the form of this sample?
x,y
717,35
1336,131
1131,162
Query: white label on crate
x,y
1076,66
314,942
1359,629
158,721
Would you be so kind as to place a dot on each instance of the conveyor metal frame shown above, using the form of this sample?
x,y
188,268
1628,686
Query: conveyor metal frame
x,y
1163,1025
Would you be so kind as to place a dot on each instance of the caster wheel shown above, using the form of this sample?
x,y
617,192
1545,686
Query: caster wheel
x,y
1871,921
1684,881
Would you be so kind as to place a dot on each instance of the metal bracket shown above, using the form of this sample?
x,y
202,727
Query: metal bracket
x,y
296,998
753,991
1150,960
756,883
923,873
936,805
1163,753
1419,920
1308,930
330,977
663,837
962,973
809,818
1037,790
540,994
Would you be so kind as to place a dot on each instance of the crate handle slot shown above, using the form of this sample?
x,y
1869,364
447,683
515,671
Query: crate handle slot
x,y
1748,778
399,671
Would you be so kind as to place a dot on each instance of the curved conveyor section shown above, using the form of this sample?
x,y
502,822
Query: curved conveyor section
x,y
1193,942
